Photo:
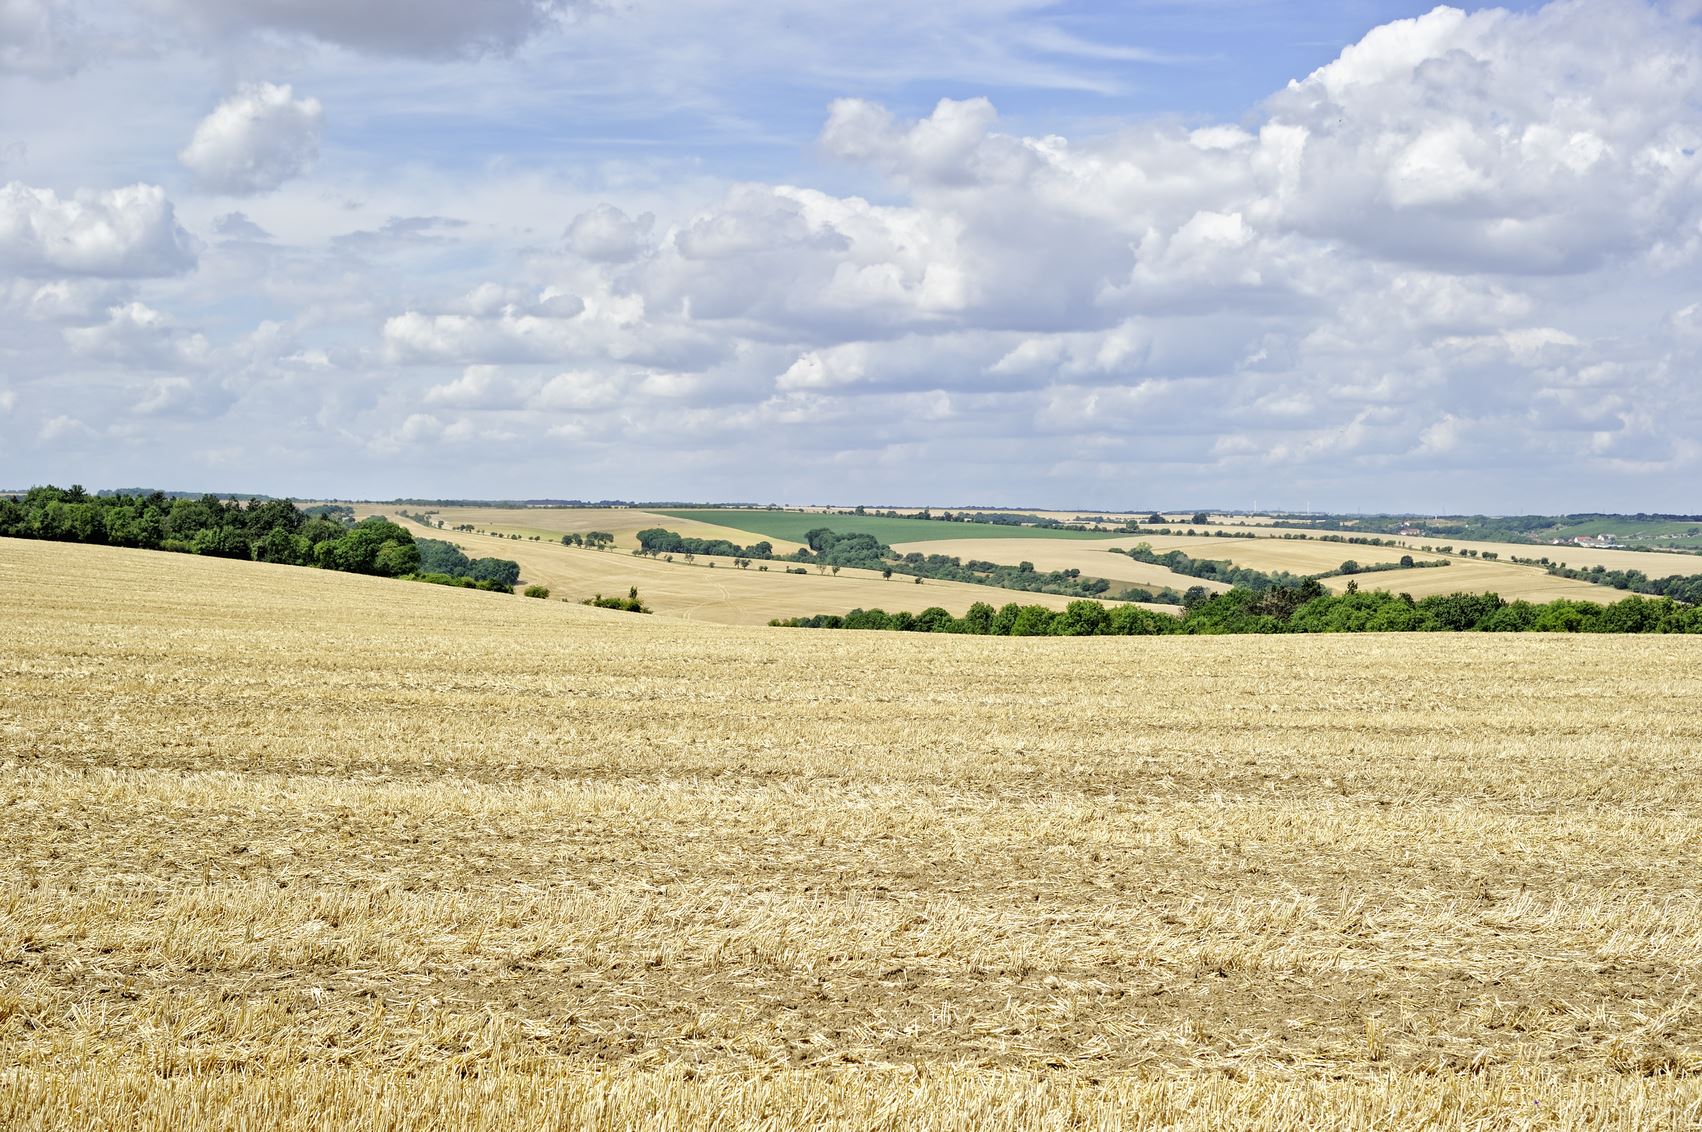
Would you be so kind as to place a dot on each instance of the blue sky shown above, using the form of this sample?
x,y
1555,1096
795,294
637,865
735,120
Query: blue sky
x,y
1362,255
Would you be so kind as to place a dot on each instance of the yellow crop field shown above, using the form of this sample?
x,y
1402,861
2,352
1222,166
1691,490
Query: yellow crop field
x,y
286,848
726,594
1656,564
622,522
1297,556
1095,559
1652,562
1468,575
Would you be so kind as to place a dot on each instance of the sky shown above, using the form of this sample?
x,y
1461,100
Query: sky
x,y
1348,256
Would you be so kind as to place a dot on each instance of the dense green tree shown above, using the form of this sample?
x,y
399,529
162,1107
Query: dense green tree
x,y
979,618
933,620
1082,619
1032,621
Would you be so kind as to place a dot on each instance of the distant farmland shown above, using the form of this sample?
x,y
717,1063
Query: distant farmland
x,y
793,525
727,594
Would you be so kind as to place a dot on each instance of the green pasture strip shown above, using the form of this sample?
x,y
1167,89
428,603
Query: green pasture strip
x,y
1661,532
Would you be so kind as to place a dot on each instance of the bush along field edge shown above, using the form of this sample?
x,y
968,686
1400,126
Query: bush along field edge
x,y
1303,608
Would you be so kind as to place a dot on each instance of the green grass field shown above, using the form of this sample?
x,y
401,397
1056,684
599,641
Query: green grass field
x,y
794,525
1654,532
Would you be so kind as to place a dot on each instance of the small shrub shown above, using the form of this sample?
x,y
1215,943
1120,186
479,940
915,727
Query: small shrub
x,y
537,591
627,604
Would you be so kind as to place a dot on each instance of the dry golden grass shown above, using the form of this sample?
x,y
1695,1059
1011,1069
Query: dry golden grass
x,y
292,849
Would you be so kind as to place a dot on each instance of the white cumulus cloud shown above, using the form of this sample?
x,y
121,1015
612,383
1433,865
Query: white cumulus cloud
x,y
119,233
255,140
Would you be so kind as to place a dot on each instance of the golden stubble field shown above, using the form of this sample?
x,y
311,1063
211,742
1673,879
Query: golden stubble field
x,y
1654,563
1096,559
623,523
1510,580
285,848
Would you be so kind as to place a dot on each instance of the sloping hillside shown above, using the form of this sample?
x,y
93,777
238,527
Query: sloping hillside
x,y
297,849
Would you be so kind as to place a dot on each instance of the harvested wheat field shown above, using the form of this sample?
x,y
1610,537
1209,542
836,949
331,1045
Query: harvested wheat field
x,y
292,849
1473,575
1094,559
1298,556
623,523
1654,563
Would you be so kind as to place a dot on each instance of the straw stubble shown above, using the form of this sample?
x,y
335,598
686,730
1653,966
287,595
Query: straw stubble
x,y
295,849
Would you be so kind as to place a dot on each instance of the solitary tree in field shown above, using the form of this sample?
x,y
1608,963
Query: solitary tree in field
x,y
836,571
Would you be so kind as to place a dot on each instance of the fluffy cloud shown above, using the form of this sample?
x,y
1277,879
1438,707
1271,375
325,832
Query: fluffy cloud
x,y
608,235
425,28
140,337
481,387
72,302
254,141
1521,143
121,233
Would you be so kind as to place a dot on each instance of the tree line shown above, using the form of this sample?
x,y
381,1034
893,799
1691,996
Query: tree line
x,y
1686,587
271,530
656,541
831,549
1302,608
1222,570
260,530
